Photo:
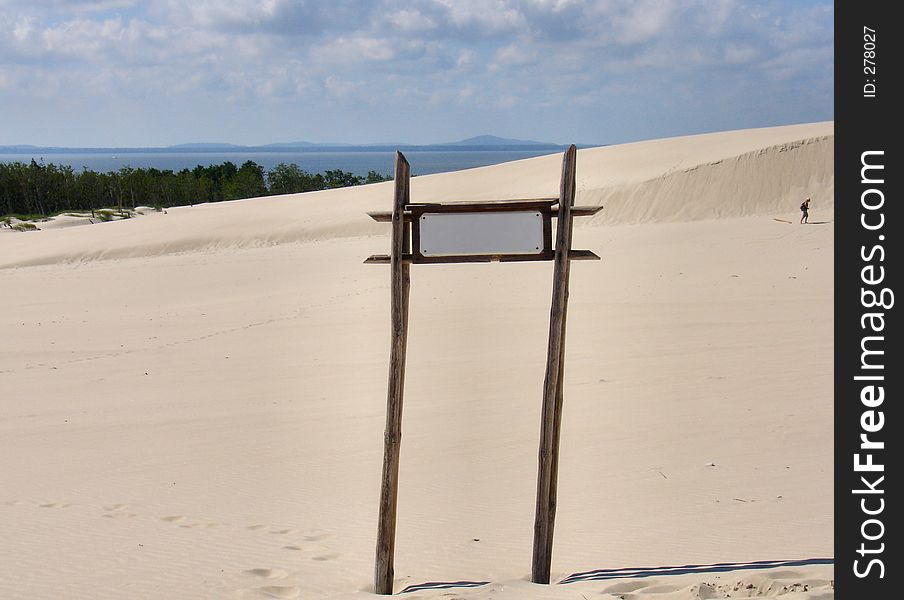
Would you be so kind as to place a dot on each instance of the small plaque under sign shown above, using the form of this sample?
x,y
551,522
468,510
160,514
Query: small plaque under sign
x,y
472,233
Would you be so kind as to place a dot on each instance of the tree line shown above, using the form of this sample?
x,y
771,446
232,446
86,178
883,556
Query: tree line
x,y
38,189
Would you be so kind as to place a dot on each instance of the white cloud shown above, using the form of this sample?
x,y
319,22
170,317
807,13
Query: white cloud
x,y
483,16
82,5
411,20
798,64
339,88
466,56
553,5
513,55
352,50
439,97
23,29
643,20
507,101
516,55
739,53
289,18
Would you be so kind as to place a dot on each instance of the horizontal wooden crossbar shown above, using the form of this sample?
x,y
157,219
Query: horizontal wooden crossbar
x,y
386,216
383,259
581,211
503,202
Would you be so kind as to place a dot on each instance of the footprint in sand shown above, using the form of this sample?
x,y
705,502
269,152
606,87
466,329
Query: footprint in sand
x,y
284,592
173,519
181,521
118,511
199,525
55,505
317,537
313,549
255,527
284,531
267,573
324,557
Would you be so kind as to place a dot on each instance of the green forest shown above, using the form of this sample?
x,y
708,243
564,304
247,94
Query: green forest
x,y
37,190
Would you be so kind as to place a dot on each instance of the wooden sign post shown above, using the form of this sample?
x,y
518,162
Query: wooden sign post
x,y
548,468
503,231
392,436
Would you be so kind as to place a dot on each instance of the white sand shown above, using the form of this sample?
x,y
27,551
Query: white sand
x,y
193,403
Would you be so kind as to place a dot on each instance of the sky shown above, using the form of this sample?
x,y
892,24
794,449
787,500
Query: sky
x,y
124,73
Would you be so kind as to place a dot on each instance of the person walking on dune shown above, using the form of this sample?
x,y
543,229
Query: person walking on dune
x,y
805,210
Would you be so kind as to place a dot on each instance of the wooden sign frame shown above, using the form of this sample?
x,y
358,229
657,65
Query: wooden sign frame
x,y
405,251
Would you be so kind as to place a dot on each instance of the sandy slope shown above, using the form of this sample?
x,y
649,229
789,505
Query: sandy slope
x,y
200,415
738,173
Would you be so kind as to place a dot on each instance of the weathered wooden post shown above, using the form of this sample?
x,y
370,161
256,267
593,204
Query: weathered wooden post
x,y
392,436
547,473
465,232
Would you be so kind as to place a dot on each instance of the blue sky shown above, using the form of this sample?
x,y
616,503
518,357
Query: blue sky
x,y
126,73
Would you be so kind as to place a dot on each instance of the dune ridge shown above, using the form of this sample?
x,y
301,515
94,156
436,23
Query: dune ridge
x,y
720,175
764,182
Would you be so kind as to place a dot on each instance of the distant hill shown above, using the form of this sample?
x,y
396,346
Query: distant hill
x,y
492,140
204,146
477,143
18,147
303,144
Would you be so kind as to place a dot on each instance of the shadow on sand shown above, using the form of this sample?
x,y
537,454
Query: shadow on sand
x,y
601,574
629,572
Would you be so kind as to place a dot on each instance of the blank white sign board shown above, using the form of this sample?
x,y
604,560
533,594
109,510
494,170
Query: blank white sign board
x,y
466,233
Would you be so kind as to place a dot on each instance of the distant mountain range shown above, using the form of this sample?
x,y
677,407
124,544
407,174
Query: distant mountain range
x,y
480,142
203,146
492,140
486,141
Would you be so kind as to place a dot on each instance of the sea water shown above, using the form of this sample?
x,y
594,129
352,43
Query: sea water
x,y
423,162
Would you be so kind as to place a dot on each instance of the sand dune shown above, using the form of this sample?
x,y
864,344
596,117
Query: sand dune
x,y
193,403
731,174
